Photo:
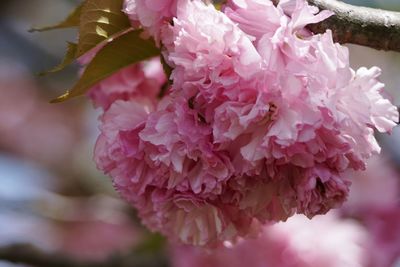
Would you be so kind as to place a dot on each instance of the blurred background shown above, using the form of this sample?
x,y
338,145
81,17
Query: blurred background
x,y
52,196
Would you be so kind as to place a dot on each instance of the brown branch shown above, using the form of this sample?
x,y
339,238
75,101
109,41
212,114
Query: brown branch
x,y
27,254
375,28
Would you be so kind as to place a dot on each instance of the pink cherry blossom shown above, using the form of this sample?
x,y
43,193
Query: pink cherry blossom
x,y
206,54
163,164
255,17
142,80
262,121
153,15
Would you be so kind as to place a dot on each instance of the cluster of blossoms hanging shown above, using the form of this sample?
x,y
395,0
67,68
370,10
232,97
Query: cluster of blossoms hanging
x,y
259,119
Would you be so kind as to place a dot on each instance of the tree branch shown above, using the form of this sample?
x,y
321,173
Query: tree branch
x,y
372,27
376,28
27,254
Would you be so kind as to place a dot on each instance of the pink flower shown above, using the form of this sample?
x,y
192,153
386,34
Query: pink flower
x,y
319,190
97,239
178,138
255,17
163,163
153,15
384,245
259,125
322,242
313,123
116,147
374,199
258,18
142,80
208,49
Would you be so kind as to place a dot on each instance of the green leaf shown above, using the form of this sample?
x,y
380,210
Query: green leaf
x,y
125,50
71,21
100,21
68,59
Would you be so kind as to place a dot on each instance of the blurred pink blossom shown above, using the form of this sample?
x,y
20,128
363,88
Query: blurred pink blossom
x,y
375,201
29,125
321,242
378,187
384,246
98,240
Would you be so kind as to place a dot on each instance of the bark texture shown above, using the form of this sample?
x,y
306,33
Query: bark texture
x,y
376,28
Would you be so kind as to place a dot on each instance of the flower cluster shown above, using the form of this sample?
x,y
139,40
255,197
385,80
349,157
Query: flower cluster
x,y
261,120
